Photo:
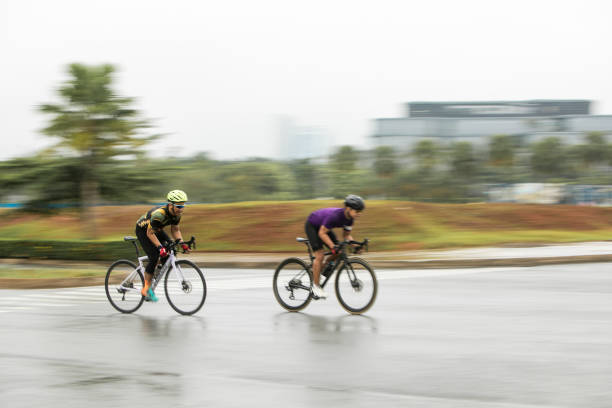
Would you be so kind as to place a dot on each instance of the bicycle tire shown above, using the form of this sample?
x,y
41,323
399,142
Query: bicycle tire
x,y
294,269
344,285
120,270
194,285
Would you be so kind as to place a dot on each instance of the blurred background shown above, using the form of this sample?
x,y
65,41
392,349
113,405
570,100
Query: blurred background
x,y
116,103
448,117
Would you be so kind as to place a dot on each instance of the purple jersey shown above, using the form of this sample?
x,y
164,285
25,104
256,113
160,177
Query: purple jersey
x,y
331,218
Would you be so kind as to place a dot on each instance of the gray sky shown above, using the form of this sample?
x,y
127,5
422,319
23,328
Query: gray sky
x,y
216,75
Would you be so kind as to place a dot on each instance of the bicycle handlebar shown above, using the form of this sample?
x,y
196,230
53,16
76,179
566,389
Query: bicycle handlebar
x,y
172,245
359,244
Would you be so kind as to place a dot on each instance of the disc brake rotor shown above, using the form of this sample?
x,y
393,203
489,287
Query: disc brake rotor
x,y
187,286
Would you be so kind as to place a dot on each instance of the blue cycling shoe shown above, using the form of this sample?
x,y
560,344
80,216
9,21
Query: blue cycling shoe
x,y
150,295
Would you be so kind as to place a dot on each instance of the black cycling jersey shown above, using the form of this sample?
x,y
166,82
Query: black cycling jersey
x,y
158,218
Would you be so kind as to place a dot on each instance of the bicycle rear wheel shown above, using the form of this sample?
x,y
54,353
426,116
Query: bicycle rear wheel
x,y
291,284
123,293
186,295
356,286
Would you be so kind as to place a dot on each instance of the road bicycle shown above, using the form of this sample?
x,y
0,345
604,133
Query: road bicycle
x,y
184,282
356,285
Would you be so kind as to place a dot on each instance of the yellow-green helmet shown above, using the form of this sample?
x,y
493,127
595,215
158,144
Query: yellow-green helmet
x,y
177,196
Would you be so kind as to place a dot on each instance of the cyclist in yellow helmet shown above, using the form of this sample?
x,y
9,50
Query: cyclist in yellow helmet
x,y
151,235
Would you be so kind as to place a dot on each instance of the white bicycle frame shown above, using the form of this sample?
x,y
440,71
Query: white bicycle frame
x,y
157,276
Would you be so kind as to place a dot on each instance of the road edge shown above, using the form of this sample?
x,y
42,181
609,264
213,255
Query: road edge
x,y
51,283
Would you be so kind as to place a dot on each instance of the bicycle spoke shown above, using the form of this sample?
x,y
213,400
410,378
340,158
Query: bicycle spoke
x,y
356,286
185,288
123,285
291,284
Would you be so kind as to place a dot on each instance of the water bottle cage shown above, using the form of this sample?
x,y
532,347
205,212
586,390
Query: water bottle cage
x,y
328,269
157,272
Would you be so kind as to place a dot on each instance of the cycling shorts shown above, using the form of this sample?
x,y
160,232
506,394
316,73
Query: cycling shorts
x,y
312,232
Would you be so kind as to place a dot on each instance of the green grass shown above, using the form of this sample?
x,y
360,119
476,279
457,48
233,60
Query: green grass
x,y
451,239
10,272
272,226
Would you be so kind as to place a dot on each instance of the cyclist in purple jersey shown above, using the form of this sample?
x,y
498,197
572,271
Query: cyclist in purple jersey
x,y
319,227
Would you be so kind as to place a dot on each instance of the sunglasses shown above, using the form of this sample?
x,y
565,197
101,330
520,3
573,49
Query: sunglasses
x,y
179,206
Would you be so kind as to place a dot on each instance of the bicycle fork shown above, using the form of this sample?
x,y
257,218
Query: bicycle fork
x,y
185,285
356,283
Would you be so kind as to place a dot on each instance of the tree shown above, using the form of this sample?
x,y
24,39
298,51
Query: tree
x,y
38,182
463,161
48,182
253,180
501,151
344,158
595,151
548,157
426,155
384,161
305,176
344,175
93,125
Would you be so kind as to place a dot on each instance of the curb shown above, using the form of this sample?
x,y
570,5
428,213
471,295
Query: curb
x,y
49,283
493,262
435,263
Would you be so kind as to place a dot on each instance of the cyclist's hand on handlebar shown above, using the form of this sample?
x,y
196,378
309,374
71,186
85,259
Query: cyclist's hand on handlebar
x,y
163,252
357,247
185,247
335,250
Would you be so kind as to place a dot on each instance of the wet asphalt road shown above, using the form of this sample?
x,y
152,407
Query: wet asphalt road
x,y
489,337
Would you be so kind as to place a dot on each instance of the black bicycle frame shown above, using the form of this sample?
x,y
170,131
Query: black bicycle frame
x,y
341,261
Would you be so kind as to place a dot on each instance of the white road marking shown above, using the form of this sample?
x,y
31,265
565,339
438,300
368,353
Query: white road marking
x,y
216,281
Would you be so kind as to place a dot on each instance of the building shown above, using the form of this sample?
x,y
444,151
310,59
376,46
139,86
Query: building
x,y
476,122
301,142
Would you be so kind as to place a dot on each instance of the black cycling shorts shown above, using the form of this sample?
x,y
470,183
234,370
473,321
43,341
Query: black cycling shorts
x,y
149,248
313,236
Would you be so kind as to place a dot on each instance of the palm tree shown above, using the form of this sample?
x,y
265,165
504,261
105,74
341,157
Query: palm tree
x,y
93,125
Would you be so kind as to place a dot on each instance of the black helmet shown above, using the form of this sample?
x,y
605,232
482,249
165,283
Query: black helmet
x,y
355,202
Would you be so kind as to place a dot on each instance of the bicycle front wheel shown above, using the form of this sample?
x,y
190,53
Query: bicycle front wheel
x,y
123,284
185,288
291,284
356,286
